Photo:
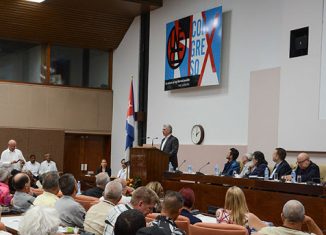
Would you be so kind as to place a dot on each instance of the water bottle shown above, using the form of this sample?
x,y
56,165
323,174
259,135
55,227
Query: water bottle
x,y
189,169
171,169
266,173
293,176
78,188
216,170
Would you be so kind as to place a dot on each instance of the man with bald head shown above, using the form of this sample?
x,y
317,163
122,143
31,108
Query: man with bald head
x,y
308,170
12,158
293,217
95,216
22,200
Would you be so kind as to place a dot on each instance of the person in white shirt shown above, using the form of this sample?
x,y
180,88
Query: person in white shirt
x,y
12,158
47,165
33,166
123,171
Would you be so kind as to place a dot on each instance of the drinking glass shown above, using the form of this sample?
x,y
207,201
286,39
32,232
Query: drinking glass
x,y
276,176
299,179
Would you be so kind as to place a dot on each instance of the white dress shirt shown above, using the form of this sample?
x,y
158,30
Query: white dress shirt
x,y
122,174
47,167
34,168
164,141
8,156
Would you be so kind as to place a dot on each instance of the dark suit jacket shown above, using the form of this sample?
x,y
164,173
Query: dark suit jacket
x,y
107,170
259,170
310,174
94,192
171,147
283,169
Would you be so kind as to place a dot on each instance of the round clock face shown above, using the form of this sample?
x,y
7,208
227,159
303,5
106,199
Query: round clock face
x,y
197,134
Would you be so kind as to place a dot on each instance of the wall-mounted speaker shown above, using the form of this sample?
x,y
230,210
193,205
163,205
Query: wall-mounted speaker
x,y
299,39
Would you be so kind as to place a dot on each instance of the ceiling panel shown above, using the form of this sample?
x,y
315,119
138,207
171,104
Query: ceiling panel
x,y
82,23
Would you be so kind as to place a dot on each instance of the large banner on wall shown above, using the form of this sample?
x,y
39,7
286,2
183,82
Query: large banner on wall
x,y
193,50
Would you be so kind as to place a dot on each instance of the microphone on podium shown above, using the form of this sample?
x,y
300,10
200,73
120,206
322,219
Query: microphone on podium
x,y
200,173
178,171
155,138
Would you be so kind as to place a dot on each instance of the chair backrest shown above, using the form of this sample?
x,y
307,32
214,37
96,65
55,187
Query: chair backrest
x,y
216,229
86,201
182,222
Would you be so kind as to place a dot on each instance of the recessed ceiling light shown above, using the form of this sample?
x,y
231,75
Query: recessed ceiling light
x,y
38,1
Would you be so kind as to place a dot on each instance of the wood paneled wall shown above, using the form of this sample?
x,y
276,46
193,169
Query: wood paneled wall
x,y
35,141
55,107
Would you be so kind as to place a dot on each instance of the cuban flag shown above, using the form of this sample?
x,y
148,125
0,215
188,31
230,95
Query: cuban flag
x,y
130,122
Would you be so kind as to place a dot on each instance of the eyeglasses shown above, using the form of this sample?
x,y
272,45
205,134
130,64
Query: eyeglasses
x,y
302,161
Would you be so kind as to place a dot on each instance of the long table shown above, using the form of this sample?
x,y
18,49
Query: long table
x,y
264,198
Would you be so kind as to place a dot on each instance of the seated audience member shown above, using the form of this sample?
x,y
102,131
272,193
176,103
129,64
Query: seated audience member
x,y
246,163
47,165
125,191
32,179
158,189
71,213
104,168
33,166
232,165
308,170
171,208
123,171
39,220
101,180
143,199
95,216
128,222
281,167
5,196
51,188
188,196
293,217
236,211
22,200
259,164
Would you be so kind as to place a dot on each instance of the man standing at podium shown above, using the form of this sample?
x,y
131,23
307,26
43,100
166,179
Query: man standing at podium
x,y
170,145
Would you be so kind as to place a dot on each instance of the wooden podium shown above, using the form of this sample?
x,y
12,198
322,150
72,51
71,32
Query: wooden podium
x,y
148,163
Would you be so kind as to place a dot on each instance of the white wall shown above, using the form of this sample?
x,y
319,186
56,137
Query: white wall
x,y
300,127
125,65
255,37
222,110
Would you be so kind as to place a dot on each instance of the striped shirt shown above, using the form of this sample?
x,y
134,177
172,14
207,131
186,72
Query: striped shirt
x,y
112,217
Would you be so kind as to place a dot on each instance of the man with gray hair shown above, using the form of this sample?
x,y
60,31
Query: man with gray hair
x,y
95,216
293,217
39,220
170,145
101,180
50,183
246,164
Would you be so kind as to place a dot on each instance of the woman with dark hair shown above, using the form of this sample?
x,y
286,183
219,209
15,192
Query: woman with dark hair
x,y
104,167
259,164
188,196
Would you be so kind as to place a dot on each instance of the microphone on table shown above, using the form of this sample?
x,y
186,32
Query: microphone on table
x,y
200,173
178,171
